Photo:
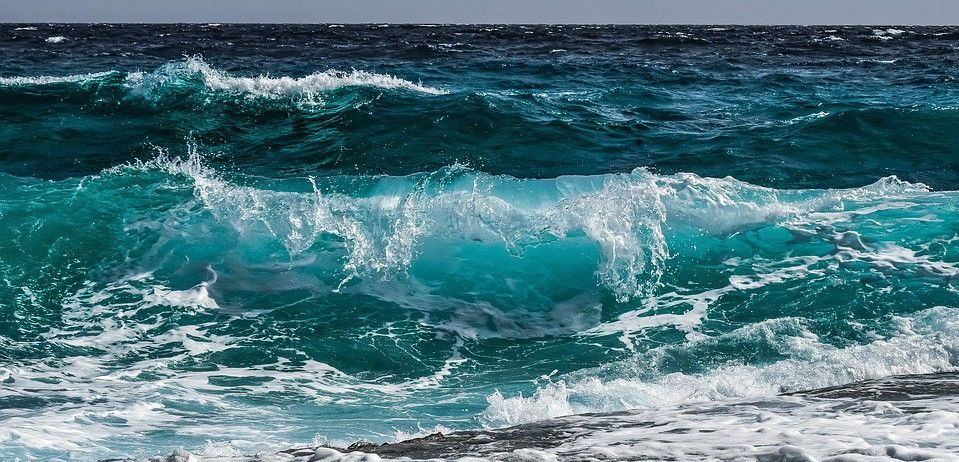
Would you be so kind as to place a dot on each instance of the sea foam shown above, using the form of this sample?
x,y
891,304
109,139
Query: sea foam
x,y
176,75
926,343
264,86
48,80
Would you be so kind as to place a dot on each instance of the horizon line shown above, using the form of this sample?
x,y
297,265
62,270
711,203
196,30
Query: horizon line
x,y
380,23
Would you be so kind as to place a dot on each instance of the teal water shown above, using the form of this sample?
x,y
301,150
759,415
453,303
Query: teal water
x,y
247,250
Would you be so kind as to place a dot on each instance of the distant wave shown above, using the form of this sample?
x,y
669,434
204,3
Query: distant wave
x,y
50,79
270,87
195,71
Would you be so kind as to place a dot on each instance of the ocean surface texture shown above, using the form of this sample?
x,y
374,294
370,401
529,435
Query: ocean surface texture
x,y
240,239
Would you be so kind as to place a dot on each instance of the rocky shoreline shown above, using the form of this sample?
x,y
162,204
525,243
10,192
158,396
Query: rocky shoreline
x,y
766,429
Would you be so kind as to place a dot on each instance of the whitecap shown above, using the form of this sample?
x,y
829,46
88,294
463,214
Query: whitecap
x,y
808,117
47,80
307,88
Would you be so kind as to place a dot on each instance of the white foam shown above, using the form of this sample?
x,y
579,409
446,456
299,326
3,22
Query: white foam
x,y
879,61
47,80
56,39
650,316
308,88
197,296
148,394
887,34
808,117
927,344
782,428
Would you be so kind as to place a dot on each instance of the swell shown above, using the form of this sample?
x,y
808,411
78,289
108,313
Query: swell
x,y
382,220
377,226
357,122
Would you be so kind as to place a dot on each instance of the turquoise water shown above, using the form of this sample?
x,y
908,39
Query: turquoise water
x,y
459,227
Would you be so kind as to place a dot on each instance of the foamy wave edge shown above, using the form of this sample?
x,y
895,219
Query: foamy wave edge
x,y
51,79
926,343
266,86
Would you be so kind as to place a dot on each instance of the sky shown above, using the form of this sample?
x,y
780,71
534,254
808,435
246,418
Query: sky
x,y
488,11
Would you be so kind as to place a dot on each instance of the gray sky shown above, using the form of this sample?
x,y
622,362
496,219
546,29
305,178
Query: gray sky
x,y
488,11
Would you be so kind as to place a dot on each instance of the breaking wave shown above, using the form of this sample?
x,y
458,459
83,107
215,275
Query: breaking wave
x,y
384,223
194,73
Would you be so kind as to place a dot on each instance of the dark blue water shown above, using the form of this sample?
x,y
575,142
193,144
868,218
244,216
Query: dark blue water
x,y
258,236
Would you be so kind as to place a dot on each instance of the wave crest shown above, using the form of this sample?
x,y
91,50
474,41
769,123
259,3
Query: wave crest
x,y
51,80
194,73
306,88
384,223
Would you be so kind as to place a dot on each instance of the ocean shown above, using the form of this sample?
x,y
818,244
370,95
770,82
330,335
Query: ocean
x,y
572,242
